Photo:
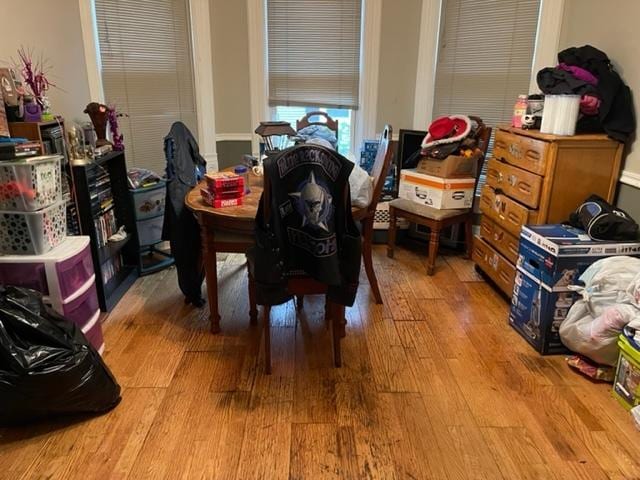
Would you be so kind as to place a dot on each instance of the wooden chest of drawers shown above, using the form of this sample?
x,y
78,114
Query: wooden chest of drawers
x,y
536,178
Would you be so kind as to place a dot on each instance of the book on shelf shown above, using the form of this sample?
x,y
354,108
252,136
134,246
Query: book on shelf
x,y
105,225
110,268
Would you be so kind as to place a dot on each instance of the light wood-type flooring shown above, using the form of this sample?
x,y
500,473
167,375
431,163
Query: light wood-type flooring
x,y
435,384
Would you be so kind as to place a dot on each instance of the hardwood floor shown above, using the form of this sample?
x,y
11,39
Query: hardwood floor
x,y
435,384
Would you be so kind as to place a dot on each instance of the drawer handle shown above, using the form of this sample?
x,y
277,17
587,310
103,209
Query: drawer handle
x,y
498,236
515,151
512,180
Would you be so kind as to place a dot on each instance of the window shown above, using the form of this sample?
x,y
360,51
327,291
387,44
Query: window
x,y
485,53
313,50
147,72
342,115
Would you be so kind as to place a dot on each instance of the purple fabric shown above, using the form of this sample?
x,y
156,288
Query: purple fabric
x,y
579,73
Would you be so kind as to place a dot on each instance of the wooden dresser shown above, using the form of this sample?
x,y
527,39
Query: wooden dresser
x,y
537,178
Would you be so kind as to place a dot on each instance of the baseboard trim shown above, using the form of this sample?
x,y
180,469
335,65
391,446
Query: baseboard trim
x,y
234,137
630,178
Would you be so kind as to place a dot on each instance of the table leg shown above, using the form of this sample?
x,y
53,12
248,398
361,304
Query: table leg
x,y
211,274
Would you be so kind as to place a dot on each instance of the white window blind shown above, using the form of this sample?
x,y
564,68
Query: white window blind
x,y
147,72
485,53
314,52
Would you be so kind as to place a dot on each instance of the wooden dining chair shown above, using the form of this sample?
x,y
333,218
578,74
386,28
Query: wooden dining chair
x,y
298,285
435,219
365,216
328,122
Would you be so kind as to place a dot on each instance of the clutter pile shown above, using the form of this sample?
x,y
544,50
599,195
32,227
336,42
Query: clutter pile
x,y
224,189
447,164
550,260
604,100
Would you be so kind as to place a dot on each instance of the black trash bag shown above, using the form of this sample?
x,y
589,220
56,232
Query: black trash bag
x,y
47,367
603,221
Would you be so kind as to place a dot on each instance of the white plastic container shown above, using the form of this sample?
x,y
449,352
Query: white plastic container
x,y
560,114
32,233
30,184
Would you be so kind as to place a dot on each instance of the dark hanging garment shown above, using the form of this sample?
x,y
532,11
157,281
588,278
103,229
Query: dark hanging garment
x,y
310,229
185,168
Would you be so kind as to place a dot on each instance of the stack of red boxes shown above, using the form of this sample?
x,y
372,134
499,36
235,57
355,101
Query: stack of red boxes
x,y
224,189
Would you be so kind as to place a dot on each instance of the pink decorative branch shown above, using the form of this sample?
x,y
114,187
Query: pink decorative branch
x,y
34,75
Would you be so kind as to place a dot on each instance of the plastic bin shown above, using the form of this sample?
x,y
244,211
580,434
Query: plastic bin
x,y
626,386
150,231
32,233
93,332
30,184
149,202
81,308
59,273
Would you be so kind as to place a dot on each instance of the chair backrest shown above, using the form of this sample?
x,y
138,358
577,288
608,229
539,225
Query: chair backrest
x,y
484,135
329,122
381,166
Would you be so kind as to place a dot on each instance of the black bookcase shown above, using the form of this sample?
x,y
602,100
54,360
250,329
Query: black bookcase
x,y
115,264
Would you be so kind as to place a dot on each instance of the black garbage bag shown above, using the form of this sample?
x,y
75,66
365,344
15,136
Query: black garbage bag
x,y
47,367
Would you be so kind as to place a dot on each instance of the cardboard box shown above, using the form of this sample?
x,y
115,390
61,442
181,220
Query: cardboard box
x,y
454,166
552,257
436,192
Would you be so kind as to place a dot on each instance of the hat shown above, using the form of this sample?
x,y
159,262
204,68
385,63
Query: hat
x,y
447,130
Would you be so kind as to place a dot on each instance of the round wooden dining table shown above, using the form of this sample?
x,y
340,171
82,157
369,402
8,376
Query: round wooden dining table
x,y
229,230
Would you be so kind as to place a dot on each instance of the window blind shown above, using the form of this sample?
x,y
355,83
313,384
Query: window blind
x,y
485,53
147,72
314,52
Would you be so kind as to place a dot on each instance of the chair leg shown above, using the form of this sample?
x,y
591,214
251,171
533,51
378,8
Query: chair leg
x,y
391,241
434,242
468,235
367,227
337,332
253,310
267,339
299,302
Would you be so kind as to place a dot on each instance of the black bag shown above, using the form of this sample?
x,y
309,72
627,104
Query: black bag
x,y
603,221
47,367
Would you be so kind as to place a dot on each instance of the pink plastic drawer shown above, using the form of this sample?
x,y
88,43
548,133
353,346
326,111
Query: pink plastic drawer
x,y
82,309
94,336
74,272
28,275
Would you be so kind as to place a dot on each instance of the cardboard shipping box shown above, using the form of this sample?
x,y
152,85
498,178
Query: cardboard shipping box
x,y
436,192
551,258
454,166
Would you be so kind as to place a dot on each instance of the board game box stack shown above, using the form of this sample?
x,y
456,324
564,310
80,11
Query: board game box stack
x,y
224,189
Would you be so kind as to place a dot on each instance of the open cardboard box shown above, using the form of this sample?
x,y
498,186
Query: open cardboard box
x,y
454,166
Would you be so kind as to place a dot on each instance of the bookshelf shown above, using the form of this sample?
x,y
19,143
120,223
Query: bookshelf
x,y
102,194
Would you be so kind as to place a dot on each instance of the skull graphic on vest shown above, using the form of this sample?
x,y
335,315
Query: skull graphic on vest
x,y
313,203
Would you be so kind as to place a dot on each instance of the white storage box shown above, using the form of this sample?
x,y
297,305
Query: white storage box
x,y
436,192
30,184
32,233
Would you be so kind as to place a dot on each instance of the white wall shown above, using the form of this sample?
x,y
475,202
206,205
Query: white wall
x,y
52,29
613,28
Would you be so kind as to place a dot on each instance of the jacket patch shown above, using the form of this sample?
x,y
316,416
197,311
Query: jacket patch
x,y
318,247
330,165
313,203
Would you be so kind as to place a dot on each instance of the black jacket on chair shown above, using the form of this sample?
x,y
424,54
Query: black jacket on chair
x,y
304,225
185,167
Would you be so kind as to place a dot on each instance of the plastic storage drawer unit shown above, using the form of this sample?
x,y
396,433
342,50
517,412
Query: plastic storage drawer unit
x,y
80,308
30,184
93,333
32,233
58,273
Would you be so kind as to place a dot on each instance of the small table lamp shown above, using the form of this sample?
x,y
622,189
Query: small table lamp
x,y
268,130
